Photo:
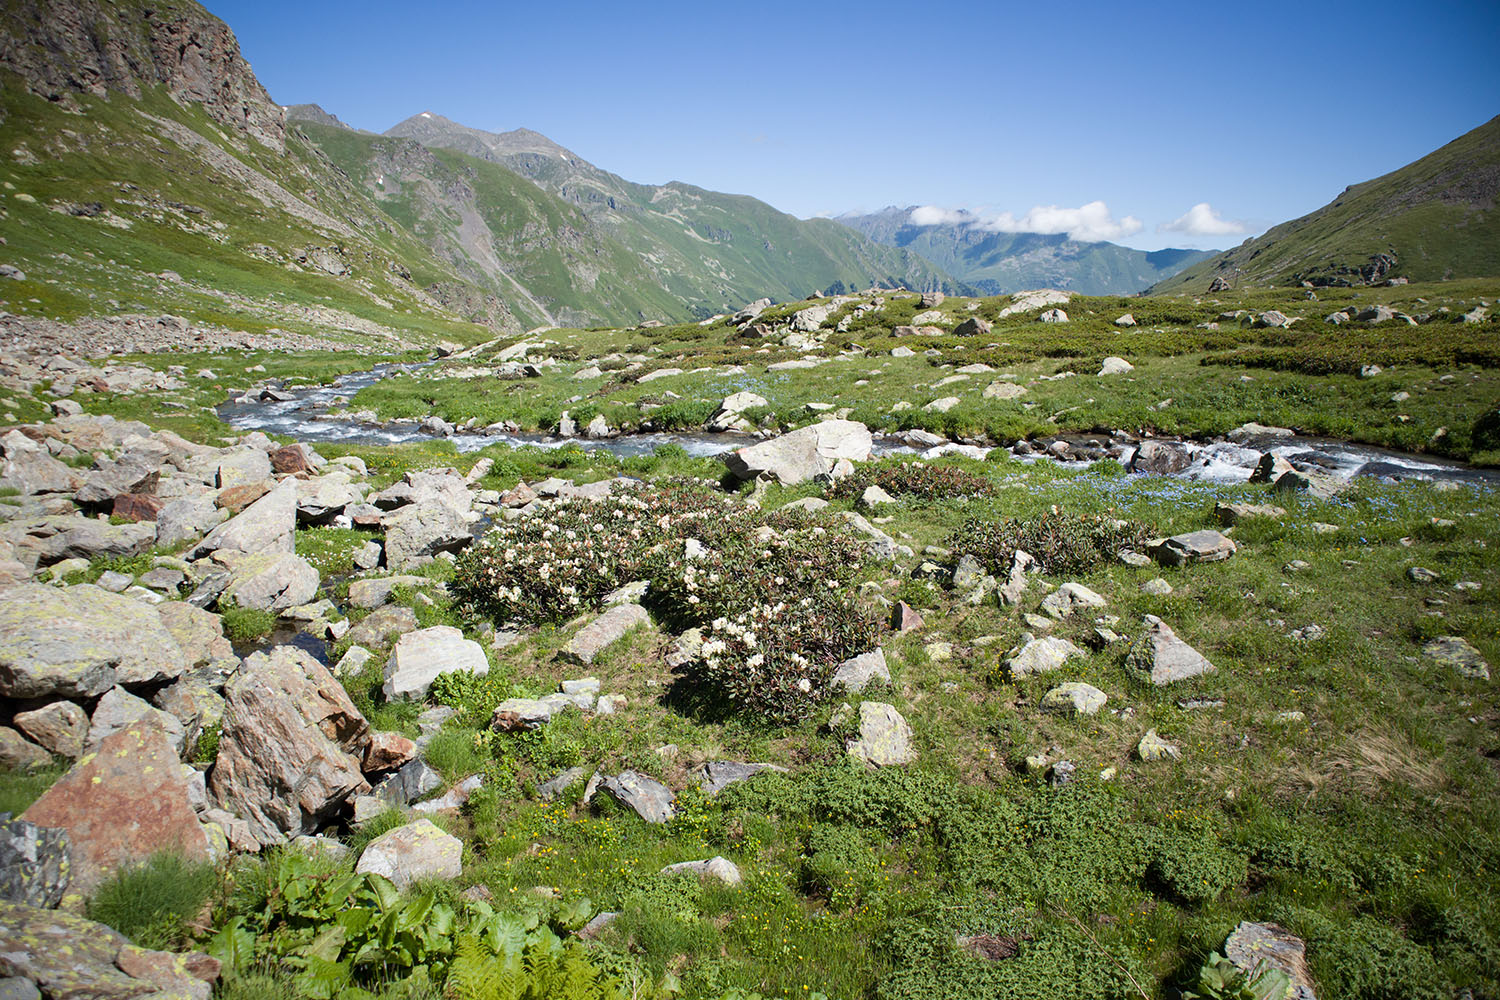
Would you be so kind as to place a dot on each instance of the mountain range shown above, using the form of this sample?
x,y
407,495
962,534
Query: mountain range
x,y
995,263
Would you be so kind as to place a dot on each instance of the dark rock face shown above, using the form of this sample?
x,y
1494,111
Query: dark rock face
x,y
34,867
95,46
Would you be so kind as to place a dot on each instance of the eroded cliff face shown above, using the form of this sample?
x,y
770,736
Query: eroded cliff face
x,y
59,47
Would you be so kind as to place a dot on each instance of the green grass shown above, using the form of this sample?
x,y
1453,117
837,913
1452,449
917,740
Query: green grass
x,y
152,903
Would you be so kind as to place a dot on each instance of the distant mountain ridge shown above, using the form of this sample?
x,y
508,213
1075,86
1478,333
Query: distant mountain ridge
x,y
993,263
1431,220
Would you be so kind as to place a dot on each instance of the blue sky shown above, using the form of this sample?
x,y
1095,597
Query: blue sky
x,y
1218,120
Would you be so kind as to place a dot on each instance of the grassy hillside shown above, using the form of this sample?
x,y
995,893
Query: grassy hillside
x,y
992,263
1435,217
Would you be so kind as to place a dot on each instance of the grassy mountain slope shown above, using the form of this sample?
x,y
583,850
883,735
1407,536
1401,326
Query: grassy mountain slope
x,y
147,171
1435,217
709,250
997,263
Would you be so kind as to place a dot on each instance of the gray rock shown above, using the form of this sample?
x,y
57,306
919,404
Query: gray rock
x,y
550,790
1162,658
414,780
1230,514
424,529
18,988
263,528
523,714
647,797
1193,547
1320,486
603,632
1164,458
1040,656
884,736
415,851
453,799
419,657
17,753
1073,698
803,454
273,581
1156,588
377,629
1457,652
859,672
716,775
375,592
723,869
1115,366
874,496
1016,580
1421,574
1270,468
1068,598
1153,747
119,709
187,518
78,642
1250,945
1053,316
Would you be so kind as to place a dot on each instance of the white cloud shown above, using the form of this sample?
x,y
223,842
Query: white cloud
x,y
1202,220
931,215
1087,223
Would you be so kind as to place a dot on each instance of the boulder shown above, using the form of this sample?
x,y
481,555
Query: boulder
x,y
418,850
859,672
424,529
1053,316
1039,656
241,465
803,454
1068,598
119,709
1162,658
412,781
1073,698
78,642
974,326
59,728
1115,366
120,805
272,581
28,468
34,865
1193,547
1164,458
1270,468
387,752
884,737
721,868
372,593
286,760
1316,484
1153,747
187,518
263,528
321,500
1252,431
419,657
604,631
549,791
379,627
646,797
729,415
290,460
1230,514
17,753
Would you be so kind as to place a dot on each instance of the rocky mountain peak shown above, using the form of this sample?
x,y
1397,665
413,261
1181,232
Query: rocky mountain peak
x,y
63,47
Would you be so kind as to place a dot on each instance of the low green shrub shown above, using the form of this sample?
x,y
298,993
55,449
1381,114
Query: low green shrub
x,y
1191,867
1061,541
246,624
918,480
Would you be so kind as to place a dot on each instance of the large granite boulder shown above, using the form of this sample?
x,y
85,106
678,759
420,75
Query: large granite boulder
x,y
265,527
290,745
420,656
29,468
119,709
1040,656
415,851
271,581
120,805
803,454
1193,547
424,529
78,642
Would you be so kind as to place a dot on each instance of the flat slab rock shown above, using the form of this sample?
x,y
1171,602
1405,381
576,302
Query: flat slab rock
x,y
121,804
415,851
1040,656
717,775
803,454
603,632
1194,547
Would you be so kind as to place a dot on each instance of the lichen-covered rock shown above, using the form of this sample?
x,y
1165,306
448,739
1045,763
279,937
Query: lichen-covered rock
x,y
859,672
78,642
1070,597
265,527
884,736
1193,547
59,728
271,581
1251,944
424,529
1073,698
17,753
1162,658
287,754
415,851
34,864
717,775
120,805
1039,656
718,867
119,709
420,656
1457,652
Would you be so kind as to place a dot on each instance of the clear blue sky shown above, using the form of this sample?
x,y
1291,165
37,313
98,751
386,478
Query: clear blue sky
x,y
1262,110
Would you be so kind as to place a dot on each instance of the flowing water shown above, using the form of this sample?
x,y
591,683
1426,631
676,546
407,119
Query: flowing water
x,y
306,416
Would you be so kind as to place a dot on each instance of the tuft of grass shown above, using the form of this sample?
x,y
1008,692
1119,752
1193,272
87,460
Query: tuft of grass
x,y
151,903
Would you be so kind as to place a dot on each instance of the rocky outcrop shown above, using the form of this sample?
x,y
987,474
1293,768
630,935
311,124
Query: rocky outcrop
x,y
291,745
95,46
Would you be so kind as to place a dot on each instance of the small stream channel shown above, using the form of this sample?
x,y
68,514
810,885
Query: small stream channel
x,y
307,416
